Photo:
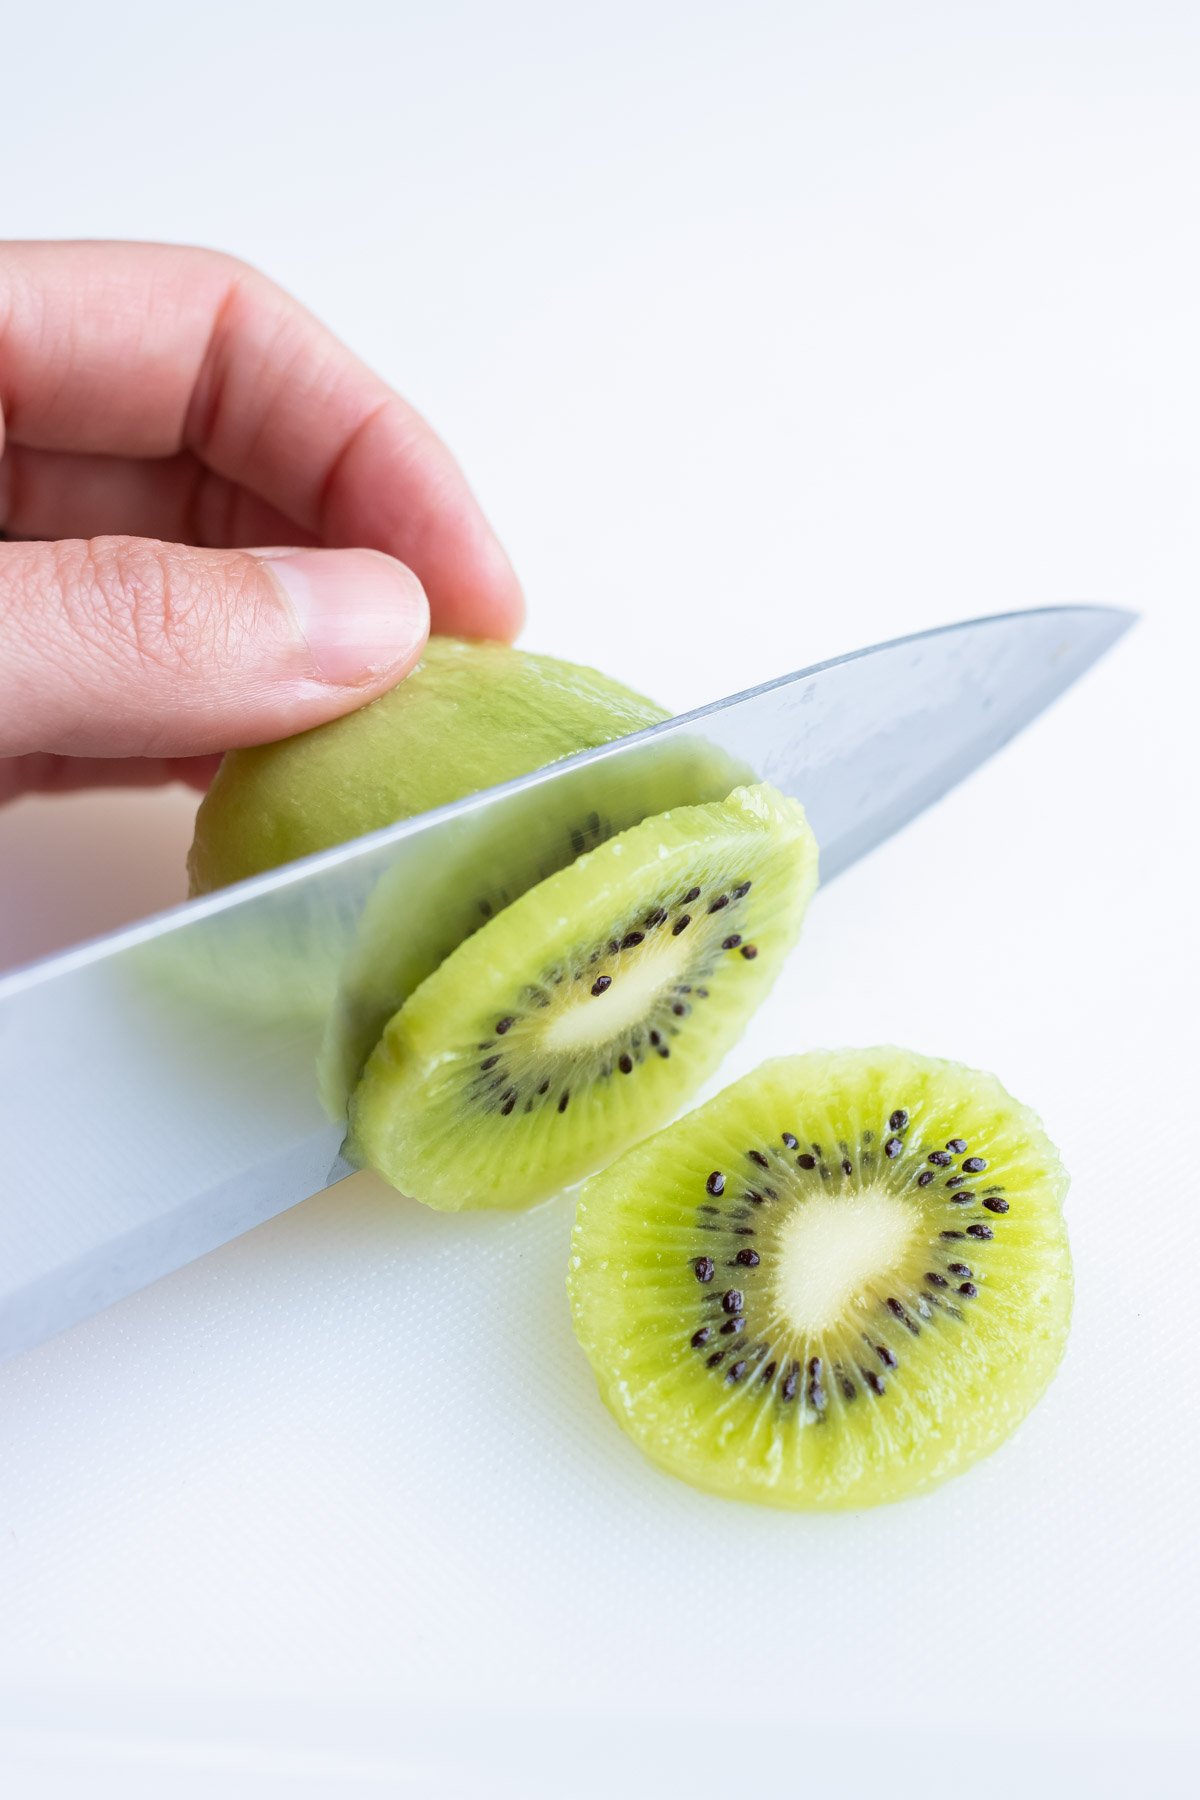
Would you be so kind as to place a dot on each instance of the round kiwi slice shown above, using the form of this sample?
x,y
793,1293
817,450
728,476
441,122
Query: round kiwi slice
x,y
842,1280
586,1012
470,715
425,906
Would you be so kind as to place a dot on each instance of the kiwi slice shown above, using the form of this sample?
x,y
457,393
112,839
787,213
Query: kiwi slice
x,y
842,1280
582,1016
427,904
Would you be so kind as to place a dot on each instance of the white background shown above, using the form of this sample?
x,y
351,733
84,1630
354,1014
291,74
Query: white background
x,y
763,332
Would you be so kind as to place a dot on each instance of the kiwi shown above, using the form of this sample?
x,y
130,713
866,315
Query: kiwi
x,y
583,1015
842,1280
429,902
470,715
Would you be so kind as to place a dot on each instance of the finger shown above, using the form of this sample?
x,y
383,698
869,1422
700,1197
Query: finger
x,y
224,363
48,494
40,774
130,647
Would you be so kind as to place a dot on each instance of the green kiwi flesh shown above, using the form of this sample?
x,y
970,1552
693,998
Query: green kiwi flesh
x,y
470,715
425,906
589,1010
842,1280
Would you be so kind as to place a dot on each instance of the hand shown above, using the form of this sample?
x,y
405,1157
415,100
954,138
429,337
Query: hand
x,y
180,404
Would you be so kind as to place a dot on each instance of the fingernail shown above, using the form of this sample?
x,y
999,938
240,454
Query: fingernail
x,y
361,612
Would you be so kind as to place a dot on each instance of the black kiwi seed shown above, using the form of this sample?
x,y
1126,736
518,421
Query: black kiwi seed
x,y
934,1279
847,1166
508,1105
963,1198
995,1204
681,924
980,1231
749,951
899,1119
545,1088
942,1158
949,1235
489,1062
756,1156
625,1064
718,1356
737,1371
768,1372
716,1182
806,1161
958,1145
789,1140
975,1165
749,1259
924,1178
790,1381
732,1300
655,1039
956,1181
693,893
957,1268
562,1100
663,1050
887,1357
657,916
732,1325
505,1025
720,901
601,984
875,1382
968,1288
701,1337
741,890
680,1008
731,943
704,1267
893,1146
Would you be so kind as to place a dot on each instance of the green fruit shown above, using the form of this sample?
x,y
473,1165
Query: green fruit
x,y
469,716
841,1281
583,1015
427,904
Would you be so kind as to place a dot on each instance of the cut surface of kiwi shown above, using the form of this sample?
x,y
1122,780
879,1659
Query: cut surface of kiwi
x,y
842,1280
425,906
585,1014
469,715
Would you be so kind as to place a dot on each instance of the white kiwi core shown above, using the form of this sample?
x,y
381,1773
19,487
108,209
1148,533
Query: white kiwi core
x,y
583,1020
834,1248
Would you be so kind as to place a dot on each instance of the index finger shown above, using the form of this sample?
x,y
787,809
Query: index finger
x,y
144,350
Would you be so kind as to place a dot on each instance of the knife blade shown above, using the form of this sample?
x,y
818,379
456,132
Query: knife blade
x,y
157,1086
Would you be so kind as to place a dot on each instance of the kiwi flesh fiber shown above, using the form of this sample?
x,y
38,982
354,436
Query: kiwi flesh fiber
x,y
842,1280
590,1009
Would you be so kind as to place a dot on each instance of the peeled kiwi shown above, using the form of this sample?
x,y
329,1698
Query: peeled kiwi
x,y
841,1281
469,716
584,1014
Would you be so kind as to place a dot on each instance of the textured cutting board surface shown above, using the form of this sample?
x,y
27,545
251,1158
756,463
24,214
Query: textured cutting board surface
x,y
907,338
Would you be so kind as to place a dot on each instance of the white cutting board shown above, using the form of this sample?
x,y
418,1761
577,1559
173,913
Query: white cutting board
x,y
758,346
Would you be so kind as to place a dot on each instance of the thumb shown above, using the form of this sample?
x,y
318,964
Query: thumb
x,y
121,646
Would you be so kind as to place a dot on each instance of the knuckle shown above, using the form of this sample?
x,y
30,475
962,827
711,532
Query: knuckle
x,y
149,608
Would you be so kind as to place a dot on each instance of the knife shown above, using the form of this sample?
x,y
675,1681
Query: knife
x,y
157,1086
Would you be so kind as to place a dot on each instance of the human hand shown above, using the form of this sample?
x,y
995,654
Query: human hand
x,y
177,402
